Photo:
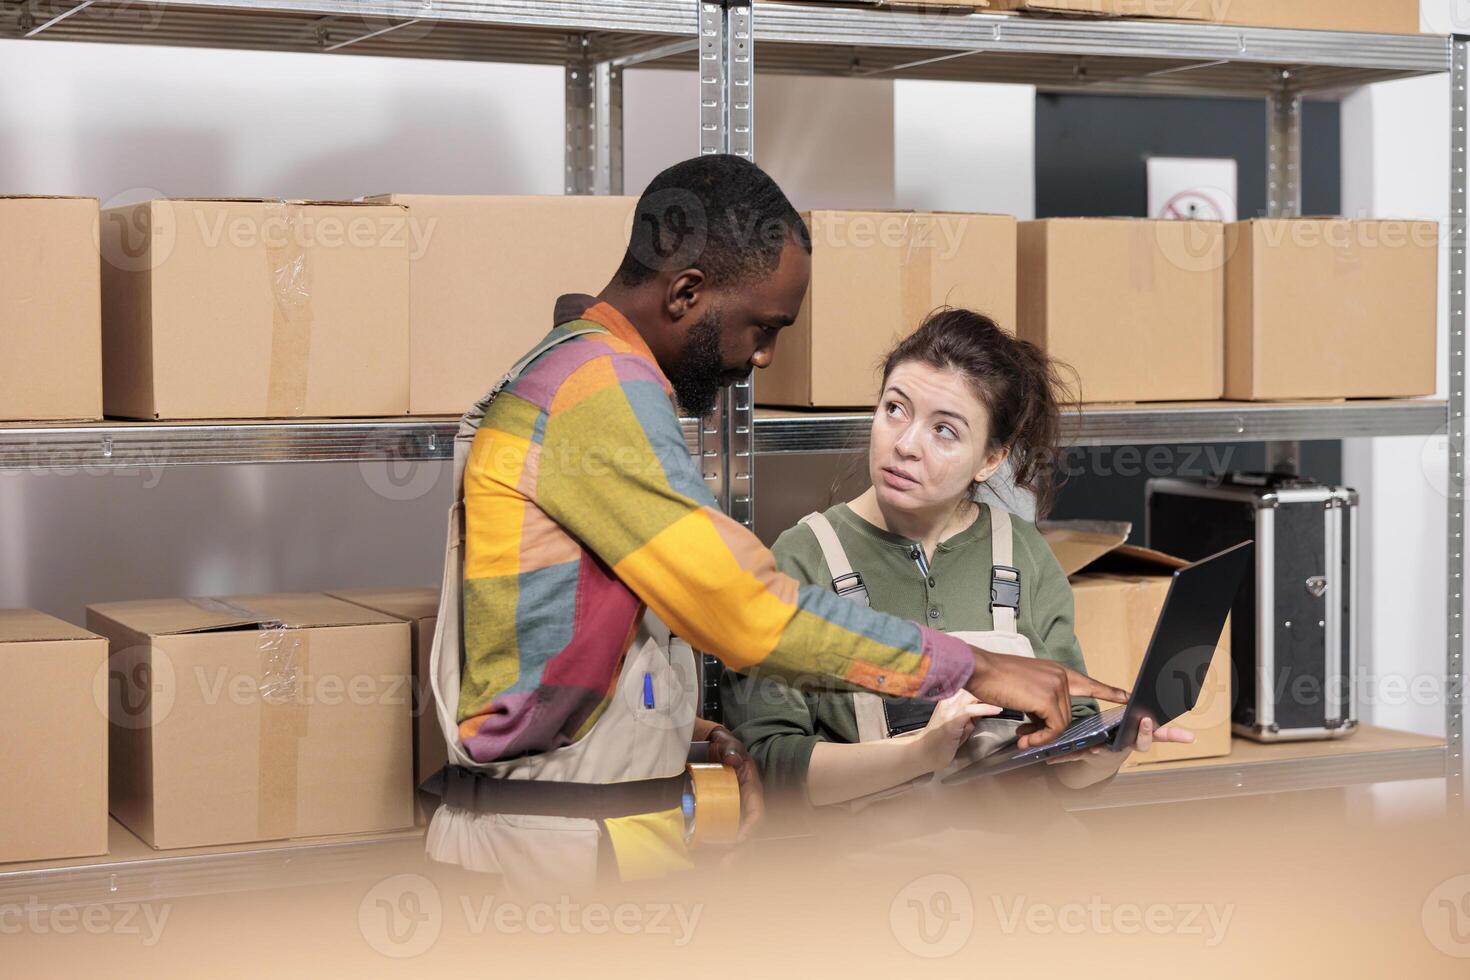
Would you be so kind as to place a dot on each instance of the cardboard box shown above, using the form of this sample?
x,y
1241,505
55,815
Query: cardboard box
x,y
1330,308
419,607
1172,9
54,757
255,309
1119,591
258,718
50,310
1133,306
1372,16
875,275
483,289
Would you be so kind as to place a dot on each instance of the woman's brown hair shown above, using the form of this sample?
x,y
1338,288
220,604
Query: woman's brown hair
x,y
1019,385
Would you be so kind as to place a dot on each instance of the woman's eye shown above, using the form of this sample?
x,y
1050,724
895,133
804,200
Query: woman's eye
x,y
892,408
946,431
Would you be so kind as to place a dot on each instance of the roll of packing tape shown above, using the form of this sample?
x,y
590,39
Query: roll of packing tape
x,y
716,803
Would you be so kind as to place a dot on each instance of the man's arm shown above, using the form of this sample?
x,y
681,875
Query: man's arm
x,y
615,472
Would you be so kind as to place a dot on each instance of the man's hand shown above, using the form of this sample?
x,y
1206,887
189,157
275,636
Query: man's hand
x,y
727,750
1043,689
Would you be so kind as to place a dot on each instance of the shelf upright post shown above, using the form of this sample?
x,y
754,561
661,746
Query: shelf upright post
x,y
1455,482
1284,200
594,121
726,125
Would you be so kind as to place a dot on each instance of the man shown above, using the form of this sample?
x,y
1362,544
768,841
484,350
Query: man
x,y
583,509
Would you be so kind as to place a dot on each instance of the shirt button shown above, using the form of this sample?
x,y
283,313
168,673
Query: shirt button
x,y
933,612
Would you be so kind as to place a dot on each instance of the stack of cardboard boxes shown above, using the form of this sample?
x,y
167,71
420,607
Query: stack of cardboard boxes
x,y
1141,310
208,721
411,304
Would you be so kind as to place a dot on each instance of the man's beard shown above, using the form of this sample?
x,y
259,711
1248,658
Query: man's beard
x,y
701,373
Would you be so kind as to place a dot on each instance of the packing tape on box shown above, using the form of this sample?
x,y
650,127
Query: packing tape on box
x,y
289,267
285,661
716,803
916,272
1347,249
283,667
1143,239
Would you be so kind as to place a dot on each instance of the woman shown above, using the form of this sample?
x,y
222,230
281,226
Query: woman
x,y
959,398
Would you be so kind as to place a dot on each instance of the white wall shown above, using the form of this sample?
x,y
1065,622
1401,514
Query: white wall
x,y
961,147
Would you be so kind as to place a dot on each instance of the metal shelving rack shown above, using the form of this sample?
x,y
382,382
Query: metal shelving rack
x,y
1280,67
596,40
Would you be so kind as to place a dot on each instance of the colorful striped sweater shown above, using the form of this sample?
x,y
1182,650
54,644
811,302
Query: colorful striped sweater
x,y
583,507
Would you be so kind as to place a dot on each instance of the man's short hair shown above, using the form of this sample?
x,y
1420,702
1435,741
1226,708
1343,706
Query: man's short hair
x,y
720,214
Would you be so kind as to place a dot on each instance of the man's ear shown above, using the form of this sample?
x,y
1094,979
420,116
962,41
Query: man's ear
x,y
685,291
993,463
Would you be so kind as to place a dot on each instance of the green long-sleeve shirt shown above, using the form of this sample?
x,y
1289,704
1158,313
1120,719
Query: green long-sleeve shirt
x,y
781,725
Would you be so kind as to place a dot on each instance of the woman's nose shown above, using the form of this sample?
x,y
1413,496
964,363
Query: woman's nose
x,y
908,443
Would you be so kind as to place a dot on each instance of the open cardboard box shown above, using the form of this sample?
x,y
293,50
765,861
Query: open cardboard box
x,y
419,607
1119,591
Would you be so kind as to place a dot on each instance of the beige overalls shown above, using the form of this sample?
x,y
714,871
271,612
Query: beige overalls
x,y
636,751
1005,590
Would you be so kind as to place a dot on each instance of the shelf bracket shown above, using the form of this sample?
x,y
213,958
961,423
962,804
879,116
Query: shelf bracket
x,y
726,125
594,124
1455,482
1284,200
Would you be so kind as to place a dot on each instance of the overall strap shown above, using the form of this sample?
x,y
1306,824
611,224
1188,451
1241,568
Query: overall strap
x,y
1005,578
469,425
845,582
867,707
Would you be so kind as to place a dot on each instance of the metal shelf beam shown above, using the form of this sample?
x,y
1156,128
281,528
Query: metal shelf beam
x,y
523,31
118,445
778,432
1081,53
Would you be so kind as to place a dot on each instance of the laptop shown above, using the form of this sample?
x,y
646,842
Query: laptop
x,y
1173,672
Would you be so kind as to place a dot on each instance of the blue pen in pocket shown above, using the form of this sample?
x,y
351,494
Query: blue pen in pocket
x,y
647,689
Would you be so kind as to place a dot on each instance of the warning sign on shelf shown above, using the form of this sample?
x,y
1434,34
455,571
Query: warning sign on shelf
x,y
1191,188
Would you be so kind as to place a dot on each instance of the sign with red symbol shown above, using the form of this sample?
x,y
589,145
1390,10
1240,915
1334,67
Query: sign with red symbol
x,y
1191,189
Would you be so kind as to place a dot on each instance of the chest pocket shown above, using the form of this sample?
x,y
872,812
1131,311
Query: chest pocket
x,y
879,717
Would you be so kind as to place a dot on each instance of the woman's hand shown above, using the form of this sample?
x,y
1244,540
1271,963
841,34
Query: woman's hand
x,y
1148,734
952,722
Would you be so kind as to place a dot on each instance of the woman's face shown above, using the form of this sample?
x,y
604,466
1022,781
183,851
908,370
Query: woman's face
x,y
929,439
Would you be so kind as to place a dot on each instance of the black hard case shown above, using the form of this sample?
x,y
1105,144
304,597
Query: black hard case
x,y
1293,639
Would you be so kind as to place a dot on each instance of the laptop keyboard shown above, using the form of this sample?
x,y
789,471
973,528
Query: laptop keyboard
x,y
1078,731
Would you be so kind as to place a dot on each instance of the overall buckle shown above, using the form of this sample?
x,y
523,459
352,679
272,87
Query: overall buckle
x,y
1005,586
